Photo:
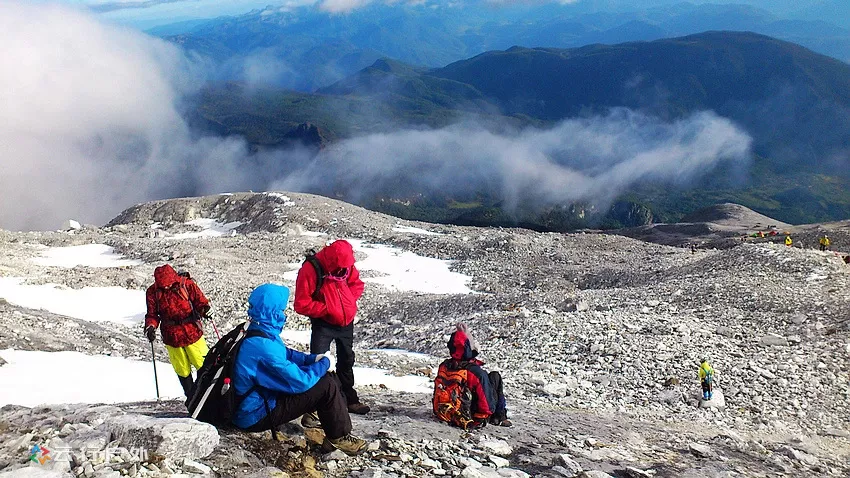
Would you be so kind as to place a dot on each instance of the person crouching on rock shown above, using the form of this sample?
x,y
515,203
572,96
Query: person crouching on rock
x,y
465,395
176,304
279,384
706,377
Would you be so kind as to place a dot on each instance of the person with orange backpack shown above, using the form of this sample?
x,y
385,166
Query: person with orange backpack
x,y
465,395
176,304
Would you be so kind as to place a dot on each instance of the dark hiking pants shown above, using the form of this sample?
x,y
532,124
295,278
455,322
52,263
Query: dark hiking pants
x,y
324,398
501,407
320,342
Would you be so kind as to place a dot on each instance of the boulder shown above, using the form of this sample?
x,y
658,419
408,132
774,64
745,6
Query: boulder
x,y
497,447
774,340
34,472
71,225
174,438
717,400
2,362
700,450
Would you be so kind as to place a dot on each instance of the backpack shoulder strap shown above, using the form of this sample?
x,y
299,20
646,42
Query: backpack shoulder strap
x,y
320,271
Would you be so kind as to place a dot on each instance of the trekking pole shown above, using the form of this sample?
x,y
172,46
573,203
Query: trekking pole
x,y
214,327
155,378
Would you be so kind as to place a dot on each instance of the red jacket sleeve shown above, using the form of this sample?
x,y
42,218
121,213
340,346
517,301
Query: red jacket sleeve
x,y
151,317
355,285
481,409
197,297
305,284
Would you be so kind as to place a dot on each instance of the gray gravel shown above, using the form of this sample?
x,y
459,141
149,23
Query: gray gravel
x,y
598,338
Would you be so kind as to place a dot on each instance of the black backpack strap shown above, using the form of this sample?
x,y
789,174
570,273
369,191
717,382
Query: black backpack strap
x,y
320,272
257,333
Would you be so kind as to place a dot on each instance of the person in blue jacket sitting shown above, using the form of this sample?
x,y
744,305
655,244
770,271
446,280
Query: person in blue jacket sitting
x,y
277,384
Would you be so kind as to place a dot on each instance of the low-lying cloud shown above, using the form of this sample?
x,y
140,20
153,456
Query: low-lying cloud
x,y
588,159
92,123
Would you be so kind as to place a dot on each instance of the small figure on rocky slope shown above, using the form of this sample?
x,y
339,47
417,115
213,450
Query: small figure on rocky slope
x,y
824,242
465,395
327,290
280,384
176,304
706,378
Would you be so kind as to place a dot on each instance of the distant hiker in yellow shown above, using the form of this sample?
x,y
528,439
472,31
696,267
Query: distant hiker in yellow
x,y
824,242
788,241
706,378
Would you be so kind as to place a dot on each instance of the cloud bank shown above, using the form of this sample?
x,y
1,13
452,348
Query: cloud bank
x,y
589,159
92,123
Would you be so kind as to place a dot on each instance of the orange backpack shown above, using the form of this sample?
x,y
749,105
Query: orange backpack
x,y
452,397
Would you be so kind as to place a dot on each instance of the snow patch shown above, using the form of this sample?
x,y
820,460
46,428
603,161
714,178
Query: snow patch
x,y
89,255
402,353
415,230
301,337
36,378
403,271
210,228
406,383
97,304
287,201
409,272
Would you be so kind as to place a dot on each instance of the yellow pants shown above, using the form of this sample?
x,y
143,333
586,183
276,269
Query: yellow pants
x,y
184,358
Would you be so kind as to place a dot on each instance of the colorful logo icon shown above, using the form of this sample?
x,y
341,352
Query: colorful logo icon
x,y
39,454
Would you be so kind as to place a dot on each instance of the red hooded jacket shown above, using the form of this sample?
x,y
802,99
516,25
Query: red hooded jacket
x,y
336,302
484,397
170,301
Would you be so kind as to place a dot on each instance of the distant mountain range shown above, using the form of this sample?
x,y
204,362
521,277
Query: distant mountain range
x,y
304,48
793,102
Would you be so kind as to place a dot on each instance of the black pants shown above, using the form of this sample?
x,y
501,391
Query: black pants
x,y
320,342
324,398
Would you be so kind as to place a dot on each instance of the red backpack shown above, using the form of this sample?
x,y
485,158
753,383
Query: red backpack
x,y
452,399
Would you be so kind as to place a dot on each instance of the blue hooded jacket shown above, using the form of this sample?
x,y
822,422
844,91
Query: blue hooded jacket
x,y
265,367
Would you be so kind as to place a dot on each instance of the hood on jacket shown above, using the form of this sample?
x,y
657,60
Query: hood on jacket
x,y
265,307
338,254
459,346
165,276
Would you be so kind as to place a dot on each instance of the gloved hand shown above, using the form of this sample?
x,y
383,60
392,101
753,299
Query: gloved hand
x,y
203,310
328,355
150,331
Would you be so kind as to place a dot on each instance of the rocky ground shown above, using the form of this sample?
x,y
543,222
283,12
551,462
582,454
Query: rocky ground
x,y
598,338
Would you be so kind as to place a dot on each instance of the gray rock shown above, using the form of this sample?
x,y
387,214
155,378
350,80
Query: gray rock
x,y
194,467
171,437
774,340
718,400
700,450
633,472
497,447
498,461
571,466
470,472
371,473
835,432
34,472
798,455
2,362
336,455
594,474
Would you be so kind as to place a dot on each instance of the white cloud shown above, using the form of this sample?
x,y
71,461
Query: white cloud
x,y
91,121
578,159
